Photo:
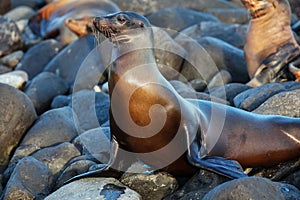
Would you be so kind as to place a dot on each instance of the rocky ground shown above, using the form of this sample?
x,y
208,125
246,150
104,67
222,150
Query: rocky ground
x,y
54,122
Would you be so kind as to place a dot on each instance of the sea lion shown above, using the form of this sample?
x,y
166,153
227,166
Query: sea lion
x,y
80,26
270,48
49,21
149,119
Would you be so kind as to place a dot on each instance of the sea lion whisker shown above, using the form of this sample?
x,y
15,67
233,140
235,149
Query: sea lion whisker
x,y
291,136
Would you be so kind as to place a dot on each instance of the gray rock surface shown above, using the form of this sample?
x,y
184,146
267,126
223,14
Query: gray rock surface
x,y
16,79
150,186
234,34
56,157
96,189
12,59
91,108
147,7
178,18
199,185
70,60
53,127
44,88
253,98
232,16
31,179
21,12
38,56
284,103
17,114
253,188
223,53
10,35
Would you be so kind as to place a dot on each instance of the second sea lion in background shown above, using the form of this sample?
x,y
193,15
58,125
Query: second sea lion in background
x,y
49,21
271,50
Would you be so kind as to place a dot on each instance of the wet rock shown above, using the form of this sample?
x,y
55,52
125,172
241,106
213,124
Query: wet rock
x,y
150,186
178,18
234,34
91,108
168,54
60,101
253,98
21,12
16,115
232,16
56,157
221,78
16,79
11,39
253,188
147,7
74,63
12,59
198,186
4,69
38,56
284,103
4,6
44,88
31,179
94,142
53,127
229,91
226,57
94,188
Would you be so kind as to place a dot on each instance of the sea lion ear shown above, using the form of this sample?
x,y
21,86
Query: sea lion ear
x,y
275,3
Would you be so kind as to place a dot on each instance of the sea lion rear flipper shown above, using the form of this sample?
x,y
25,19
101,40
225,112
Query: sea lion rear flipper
x,y
217,164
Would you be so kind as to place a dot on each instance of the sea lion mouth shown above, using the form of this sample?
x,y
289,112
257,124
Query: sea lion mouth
x,y
259,8
258,13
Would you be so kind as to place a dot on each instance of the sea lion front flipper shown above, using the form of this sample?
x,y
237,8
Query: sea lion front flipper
x,y
103,170
217,164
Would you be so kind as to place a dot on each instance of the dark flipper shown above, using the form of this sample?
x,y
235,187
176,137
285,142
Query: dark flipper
x,y
103,170
219,165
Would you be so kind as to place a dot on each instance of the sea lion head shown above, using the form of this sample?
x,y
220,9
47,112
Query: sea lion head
x,y
122,27
82,26
259,8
